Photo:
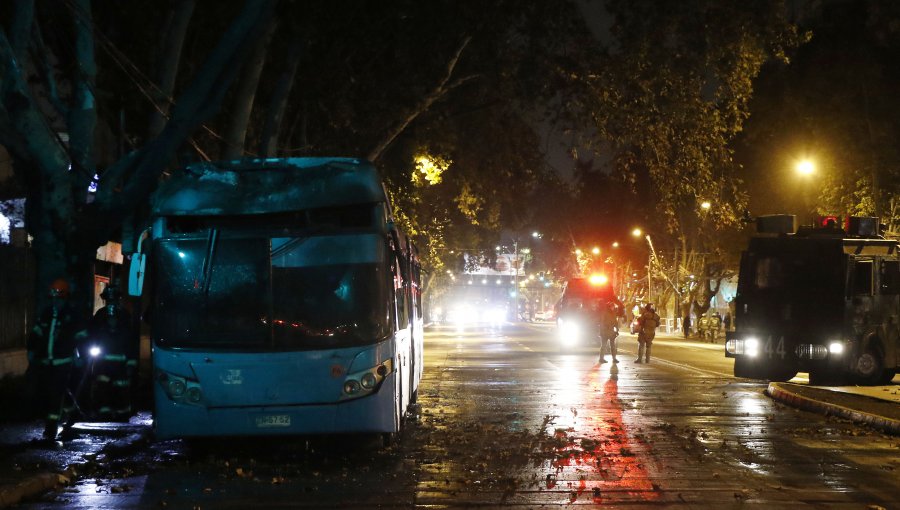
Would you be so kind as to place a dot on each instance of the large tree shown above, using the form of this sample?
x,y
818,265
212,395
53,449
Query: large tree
x,y
667,96
835,104
50,104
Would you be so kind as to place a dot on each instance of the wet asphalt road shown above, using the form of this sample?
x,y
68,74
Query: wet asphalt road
x,y
506,419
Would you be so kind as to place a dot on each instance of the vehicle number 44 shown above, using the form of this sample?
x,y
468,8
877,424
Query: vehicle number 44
x,y
772,348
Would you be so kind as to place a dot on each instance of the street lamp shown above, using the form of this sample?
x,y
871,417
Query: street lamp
x,y
805,167
705,205
637,233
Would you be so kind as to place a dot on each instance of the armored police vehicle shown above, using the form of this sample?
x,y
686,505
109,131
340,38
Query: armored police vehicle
x,y
822,300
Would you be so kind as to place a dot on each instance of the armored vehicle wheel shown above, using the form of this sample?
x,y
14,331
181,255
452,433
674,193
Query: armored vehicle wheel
x,y
745,368
868,369
887,376
824,377
782,374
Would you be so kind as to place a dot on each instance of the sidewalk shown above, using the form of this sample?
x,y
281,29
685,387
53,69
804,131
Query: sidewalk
x,y
874,406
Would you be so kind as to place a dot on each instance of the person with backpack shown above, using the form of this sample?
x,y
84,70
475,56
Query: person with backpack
x,y
647,324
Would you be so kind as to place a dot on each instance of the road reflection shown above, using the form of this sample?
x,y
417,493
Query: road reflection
x,y
594,454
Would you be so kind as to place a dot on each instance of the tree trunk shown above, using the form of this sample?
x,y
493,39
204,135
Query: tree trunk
x,y
82,118
172,42
268,141
236,133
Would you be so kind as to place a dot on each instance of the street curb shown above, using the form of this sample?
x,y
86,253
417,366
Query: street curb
x,y
40,483
32,486
882,423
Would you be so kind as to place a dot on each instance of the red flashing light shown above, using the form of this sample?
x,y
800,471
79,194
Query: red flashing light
x,y
598,279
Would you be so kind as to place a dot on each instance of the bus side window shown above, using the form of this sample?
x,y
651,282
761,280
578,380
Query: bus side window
x,y
862,278
401,287
890,277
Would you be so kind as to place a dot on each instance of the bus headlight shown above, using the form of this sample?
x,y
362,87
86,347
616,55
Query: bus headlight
x,y
177,387
351,387
368,380
365,382
836,348
180,389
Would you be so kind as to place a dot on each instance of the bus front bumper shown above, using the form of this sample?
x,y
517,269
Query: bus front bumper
x,y
370,414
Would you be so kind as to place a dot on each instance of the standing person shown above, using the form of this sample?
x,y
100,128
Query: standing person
x,y
51,358
686,325
114,350
608,322
647,324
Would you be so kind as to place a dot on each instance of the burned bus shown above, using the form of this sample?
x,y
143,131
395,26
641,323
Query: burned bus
x,y
284,301
822,300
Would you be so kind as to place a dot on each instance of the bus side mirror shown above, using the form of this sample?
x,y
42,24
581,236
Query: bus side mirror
x,y
138,267
136,274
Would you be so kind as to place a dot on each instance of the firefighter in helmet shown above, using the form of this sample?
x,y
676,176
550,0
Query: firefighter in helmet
x,y
113,350
52,358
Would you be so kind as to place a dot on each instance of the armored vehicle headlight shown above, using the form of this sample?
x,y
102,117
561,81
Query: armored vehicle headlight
x,y
751,347
836,347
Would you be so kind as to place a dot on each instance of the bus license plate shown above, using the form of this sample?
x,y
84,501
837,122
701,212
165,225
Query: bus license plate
x,y
273,420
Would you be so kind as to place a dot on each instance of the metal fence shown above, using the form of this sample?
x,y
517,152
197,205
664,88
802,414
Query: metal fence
x,y
16,295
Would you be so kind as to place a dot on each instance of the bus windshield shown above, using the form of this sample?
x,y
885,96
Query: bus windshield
x,y
271,293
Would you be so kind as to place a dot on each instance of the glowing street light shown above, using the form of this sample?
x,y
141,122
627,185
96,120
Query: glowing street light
x,y
805,167
578,251
636,232
705,205
615,244
595,251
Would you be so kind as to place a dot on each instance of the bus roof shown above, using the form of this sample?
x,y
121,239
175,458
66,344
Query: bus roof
x,y
259,186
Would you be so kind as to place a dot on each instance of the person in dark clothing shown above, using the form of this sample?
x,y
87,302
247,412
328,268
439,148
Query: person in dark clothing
x,y
113,349
686,325
648,323
608,324
52,359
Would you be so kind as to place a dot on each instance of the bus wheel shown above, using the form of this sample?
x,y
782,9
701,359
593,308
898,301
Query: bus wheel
x,y
869,367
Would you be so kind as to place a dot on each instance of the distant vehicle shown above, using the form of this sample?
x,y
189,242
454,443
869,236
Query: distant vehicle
x,y
635,326
821,300
463,314
284,301
578,310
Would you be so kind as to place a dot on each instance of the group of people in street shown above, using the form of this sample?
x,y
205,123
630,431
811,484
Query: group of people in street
x,y
607,320
81,369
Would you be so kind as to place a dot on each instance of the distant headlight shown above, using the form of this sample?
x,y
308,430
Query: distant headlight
x,y
836,348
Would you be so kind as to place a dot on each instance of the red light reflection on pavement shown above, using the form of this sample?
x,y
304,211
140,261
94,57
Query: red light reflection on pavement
x,y
609,465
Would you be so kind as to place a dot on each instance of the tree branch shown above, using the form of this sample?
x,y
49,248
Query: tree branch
x,y
173,42
441,89
198,102
20,28
82,118
39,53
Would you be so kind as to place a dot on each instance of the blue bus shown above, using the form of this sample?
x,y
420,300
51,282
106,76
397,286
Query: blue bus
x,y
283,300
